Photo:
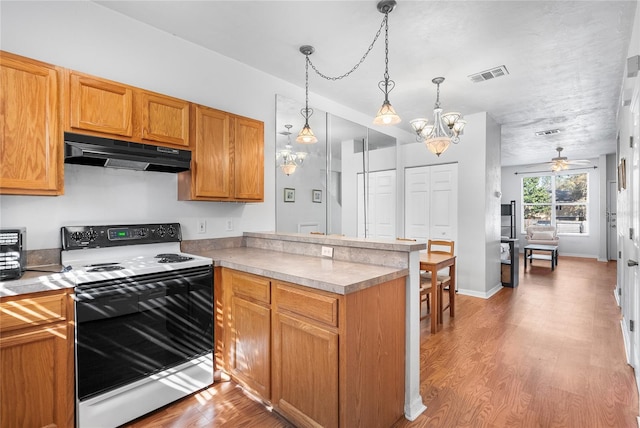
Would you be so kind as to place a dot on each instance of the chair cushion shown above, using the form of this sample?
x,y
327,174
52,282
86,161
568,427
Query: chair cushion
x,y
541,236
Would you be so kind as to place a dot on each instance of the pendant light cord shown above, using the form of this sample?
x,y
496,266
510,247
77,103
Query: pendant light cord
x,y
383,24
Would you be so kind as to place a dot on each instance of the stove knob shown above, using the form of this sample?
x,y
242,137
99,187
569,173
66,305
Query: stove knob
x,y
76,236
160,231
171,231
92,235
142,232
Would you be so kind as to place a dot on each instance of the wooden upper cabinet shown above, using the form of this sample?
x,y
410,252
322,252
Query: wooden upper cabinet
x,y
164,119
110,109
249,159
99,105
30,127
227,158
211,170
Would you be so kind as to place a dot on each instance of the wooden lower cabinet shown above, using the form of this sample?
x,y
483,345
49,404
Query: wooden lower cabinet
x,y
305,357
36,361
247,335
335,360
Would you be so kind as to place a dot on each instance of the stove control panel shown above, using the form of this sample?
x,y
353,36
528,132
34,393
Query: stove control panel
x,y
78,237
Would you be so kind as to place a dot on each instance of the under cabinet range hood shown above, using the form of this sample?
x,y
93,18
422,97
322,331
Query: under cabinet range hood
x,y
106,152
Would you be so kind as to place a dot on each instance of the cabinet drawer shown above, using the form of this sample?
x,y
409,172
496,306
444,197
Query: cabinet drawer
x,y
28,312
252,287
318,307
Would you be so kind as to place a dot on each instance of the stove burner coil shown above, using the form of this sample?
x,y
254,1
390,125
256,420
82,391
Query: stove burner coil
x,y
172,258
105,267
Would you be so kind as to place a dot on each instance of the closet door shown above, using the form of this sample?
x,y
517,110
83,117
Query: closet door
x,y
444,202
416,202
381,215
431,202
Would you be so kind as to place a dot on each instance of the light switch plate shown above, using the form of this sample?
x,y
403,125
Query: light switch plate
x,y
327,251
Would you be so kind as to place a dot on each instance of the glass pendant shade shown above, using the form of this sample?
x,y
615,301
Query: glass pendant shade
x,y
306,135
437,146
450,118
288,168
386,115
419,124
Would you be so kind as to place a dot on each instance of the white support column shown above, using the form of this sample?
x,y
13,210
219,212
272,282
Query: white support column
x,y
413,405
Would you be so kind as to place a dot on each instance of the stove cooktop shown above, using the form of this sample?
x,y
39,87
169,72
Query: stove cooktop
x,y
95,253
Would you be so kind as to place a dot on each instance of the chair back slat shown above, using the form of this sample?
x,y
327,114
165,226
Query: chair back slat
x,y
440,246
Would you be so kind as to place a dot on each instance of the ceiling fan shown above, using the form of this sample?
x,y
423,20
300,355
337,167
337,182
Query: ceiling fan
x,y
561,163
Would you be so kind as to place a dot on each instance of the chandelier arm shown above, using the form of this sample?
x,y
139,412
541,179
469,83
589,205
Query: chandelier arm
x,y
355,67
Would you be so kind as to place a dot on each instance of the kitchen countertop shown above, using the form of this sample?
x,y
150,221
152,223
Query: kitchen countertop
x,y
321,273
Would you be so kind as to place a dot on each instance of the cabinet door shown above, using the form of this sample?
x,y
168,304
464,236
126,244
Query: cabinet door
x,y
100,105
34,383
212,167
164,119
248,148
250,349
30,127
305,378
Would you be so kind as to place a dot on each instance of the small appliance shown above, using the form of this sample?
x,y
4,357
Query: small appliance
x,y
13,252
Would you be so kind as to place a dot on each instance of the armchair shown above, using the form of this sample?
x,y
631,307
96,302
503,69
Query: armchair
x,y
542,235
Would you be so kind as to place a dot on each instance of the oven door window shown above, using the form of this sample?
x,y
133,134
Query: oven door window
x,y
130,328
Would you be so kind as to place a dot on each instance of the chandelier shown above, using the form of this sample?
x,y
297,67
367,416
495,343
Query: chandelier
x,y
446,128
287,159
386,114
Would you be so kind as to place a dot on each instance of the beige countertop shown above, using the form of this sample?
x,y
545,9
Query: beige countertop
x,y
321,273
316,272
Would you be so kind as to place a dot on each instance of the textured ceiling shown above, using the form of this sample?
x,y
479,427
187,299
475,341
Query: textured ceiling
x,y
565,58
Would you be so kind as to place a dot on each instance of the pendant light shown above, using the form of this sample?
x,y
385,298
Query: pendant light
x,y
386,114
446,127
306,135
288,160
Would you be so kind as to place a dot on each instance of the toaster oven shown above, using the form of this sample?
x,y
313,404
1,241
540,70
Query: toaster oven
x,y
13,253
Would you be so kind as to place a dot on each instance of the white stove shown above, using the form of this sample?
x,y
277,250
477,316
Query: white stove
x,y
144,320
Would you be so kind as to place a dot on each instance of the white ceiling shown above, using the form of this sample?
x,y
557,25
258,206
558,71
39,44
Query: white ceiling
x,y
565,58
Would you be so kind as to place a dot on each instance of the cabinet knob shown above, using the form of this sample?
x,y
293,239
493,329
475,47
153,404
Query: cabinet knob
x,y
632,263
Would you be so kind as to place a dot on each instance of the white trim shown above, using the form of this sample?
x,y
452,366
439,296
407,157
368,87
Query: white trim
x,y
625,340
616,296
479,294
413,405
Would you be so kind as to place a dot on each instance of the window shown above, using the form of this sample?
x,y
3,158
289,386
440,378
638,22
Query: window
x,y
559,200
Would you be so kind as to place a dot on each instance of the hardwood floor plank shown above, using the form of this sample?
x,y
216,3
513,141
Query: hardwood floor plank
x,y
548,353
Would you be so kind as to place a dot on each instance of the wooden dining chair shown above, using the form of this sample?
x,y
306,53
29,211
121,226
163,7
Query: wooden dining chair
x,y
443,279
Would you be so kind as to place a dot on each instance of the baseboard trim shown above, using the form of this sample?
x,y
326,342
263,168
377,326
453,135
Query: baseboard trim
x,y
480,294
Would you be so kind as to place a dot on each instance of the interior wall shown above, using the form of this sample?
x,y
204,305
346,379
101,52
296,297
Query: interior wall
x,y
87,37
492,205
474,262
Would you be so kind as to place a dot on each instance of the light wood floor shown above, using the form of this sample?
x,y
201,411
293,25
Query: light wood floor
x,y
548,353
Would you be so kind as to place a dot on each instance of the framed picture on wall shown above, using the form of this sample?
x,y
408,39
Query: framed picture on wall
x,y
289,194
316,195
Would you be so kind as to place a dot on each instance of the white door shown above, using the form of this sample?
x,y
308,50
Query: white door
x,y
444,202
381,212
612,233
431,202
633,240
416,202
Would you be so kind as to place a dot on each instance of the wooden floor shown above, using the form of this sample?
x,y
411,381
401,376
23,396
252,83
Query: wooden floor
x,y
548,353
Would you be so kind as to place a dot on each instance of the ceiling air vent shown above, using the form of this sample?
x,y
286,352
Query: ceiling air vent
x,y
548,132
489,74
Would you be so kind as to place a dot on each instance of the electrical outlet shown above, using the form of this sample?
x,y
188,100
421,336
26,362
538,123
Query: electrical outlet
x,y
327,251
202,226
229,225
